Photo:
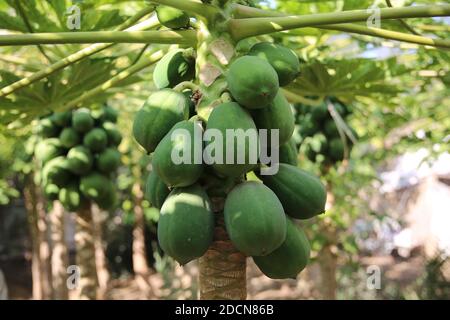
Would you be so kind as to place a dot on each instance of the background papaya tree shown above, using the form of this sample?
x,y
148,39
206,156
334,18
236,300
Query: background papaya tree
x,y
29,92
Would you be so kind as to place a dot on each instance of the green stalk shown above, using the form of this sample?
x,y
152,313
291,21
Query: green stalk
x,y
148,61
244,28
184,37
83,53
241,11
192,6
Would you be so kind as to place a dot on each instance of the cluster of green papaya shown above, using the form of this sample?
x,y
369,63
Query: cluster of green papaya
x,y
321,140
257,215
77,151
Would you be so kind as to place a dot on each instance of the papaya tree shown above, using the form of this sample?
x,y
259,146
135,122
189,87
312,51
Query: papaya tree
x,y
222,77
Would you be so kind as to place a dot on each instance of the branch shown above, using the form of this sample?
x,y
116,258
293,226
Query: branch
x,y
244,28
295,98
243,11
114,80
192,6
83,53
403,23
184,37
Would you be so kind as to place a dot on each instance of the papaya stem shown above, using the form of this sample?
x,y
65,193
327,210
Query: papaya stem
x,y
191,6
186,85
244,28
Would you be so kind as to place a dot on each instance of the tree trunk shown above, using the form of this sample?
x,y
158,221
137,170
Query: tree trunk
x,y
60,260
140,266
100,257
40,261
223,267
328,255
85,255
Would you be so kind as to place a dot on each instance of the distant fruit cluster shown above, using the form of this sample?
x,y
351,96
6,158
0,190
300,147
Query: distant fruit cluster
x,y
321,140
257,214
77,151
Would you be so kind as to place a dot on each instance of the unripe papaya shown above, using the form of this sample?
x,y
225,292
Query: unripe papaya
x,y
69,138
48,149
252,82
96,140
320,113
282,59
51,191
82,120
108,200
62,119
186,224
303,195
289,153
56,172
336,150
108,161
96,186
254,219
277,115
331,129
113,134
172,18
162,110
175,67
109,114
231,116
71,198
156,191
179,142
79,160
48,129
287,261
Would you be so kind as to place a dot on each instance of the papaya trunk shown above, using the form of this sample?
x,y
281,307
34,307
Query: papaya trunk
x,y
85,255
40,264
140,266
223,267
100,258
59,257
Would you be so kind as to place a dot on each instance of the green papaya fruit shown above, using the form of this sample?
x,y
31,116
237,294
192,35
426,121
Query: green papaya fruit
x,y
171,17
82,120
113,134
289,153
186,224
62,119
156,191
80,160
109,200
56,172
282,59
108,161
109,114
254,219
51,191
162,110
69,138
288,260
252,82
308,127
330,129
71,198
336,150
96,186
231,116
48,149
303,195
320,113
180,141
96,140
278,115
47,129
175,67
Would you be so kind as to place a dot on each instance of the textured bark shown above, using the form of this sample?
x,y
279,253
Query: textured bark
x,y
85,256
140,266
40,263
59,258
223,267
100,257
